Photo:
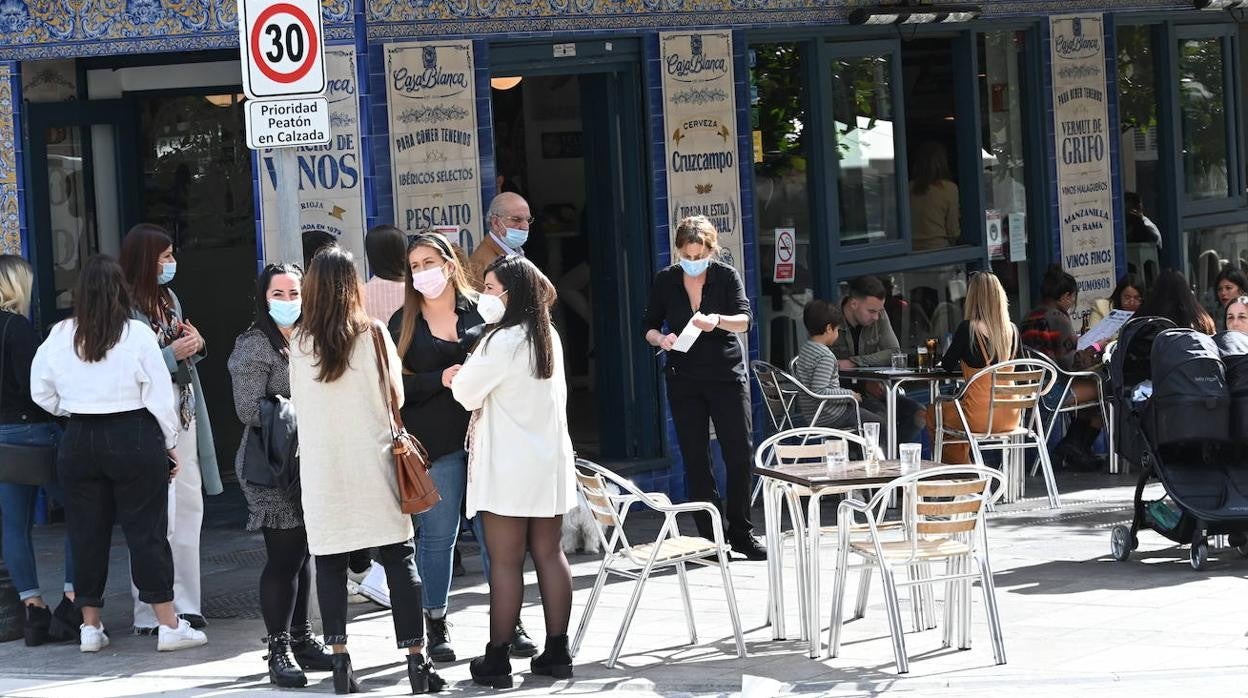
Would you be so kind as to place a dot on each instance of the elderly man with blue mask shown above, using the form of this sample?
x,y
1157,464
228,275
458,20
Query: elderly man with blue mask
x,y
507,229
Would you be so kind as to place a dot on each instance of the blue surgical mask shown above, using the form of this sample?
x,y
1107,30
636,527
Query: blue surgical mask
x,y
167,270
695,267
517,237
285,313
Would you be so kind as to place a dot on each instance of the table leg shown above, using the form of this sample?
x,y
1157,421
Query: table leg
x,y
775,561
813,526
890,448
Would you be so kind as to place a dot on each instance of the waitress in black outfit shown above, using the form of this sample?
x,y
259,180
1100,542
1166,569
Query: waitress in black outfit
x,y
707,383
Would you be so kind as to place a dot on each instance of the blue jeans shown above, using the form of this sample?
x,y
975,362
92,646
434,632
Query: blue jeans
x,y
17,507
438,528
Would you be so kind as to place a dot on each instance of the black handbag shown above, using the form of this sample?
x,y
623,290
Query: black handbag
x,y
20,464
271,457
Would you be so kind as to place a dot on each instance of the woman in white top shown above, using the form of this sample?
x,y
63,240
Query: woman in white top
x,y
106,373
347,472
520,461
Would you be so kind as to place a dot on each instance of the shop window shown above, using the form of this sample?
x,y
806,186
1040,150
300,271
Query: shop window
x,y
1003,160
936,218
1137,107
1211,250
924,304
865,143
781,195
1203,115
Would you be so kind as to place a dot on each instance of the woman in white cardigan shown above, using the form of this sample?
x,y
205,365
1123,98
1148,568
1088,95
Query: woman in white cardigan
x,y
347,473
520,461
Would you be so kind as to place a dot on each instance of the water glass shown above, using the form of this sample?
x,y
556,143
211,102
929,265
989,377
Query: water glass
x,y
899,361
871,432
837,456
910,454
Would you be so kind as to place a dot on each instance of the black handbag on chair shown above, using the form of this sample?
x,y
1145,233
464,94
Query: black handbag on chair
x,y
19,464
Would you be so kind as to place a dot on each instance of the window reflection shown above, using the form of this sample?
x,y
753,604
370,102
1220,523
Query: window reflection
x,y
865,149
1202,106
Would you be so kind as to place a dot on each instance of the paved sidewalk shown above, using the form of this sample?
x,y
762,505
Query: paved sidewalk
x,y
1074,620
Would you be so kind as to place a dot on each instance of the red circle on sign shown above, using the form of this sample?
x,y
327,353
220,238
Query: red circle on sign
x,y
785,246
269,71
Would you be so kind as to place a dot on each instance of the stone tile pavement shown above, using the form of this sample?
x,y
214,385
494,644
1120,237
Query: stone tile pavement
x,y
1074,620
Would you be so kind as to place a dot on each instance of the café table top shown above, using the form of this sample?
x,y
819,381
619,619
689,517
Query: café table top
x,y
855,473
887,373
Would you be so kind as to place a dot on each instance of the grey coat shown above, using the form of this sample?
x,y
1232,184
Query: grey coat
x,y
205,445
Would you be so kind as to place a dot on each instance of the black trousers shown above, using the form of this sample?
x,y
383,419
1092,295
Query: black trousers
x,y
399,561
695,404
115,470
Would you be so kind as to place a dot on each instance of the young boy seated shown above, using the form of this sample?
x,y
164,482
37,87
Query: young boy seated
x,y
816,368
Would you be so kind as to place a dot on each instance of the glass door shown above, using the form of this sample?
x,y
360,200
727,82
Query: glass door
x,y
79,208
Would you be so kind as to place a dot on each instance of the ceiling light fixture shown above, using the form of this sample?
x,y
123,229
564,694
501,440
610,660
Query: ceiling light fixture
x,y
505,83
911,12
1221,4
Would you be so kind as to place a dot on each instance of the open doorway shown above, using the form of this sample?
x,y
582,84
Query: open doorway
x,y
559,141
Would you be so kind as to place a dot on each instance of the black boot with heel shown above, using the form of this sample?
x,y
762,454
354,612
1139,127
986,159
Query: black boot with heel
x,y
283,672
555,660
421,675
344,677
493,668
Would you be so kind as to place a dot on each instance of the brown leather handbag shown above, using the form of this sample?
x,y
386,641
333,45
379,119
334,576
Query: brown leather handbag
x,y
417,493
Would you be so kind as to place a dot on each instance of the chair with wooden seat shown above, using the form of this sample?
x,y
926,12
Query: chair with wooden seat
x,y
1011,385
944,523
637,561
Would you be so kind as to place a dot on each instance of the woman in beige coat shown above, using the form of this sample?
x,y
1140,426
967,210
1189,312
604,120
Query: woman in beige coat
x,y
520,461
347,473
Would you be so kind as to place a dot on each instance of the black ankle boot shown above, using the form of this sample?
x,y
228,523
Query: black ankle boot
x,y
66,620
555,660
493,668
421,675
283,672
38,620
521,644
439,639
344,677
308,651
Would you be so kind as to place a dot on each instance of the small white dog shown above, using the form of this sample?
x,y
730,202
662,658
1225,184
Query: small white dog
x,y
580,530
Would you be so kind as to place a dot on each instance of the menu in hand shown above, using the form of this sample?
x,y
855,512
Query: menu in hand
x,y
1106,329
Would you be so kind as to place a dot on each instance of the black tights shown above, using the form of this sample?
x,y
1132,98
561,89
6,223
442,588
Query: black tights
x,y
506,538
286,579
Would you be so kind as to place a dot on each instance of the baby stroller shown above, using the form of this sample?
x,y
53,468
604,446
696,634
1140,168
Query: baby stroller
x,y
1174,408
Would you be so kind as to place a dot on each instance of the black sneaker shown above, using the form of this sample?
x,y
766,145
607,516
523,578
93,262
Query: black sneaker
x,y
438,642
196,621
521,644
749,548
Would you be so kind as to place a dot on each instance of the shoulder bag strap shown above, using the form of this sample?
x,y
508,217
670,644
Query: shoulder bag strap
x,y
387,389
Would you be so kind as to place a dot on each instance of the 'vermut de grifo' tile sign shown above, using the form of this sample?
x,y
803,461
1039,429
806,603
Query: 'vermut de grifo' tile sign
x,y
431,94
331,176
1082,131
700,123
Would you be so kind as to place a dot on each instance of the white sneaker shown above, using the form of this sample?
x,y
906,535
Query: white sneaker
x,y
179,638
375,587
92,638
353,592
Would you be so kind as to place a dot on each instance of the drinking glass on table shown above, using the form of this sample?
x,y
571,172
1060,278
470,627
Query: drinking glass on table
x,y
871,432
899,361
910,454
836,456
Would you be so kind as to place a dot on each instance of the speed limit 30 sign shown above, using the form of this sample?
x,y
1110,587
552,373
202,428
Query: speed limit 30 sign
x,y
282,46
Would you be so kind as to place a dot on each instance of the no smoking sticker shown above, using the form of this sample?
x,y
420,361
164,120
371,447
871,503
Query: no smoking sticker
x,y
784,268
282,47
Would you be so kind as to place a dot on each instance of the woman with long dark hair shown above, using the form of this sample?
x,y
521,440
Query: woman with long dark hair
x,y
347,472
520,461
23,423
1172,297
259,371
103,370
149,265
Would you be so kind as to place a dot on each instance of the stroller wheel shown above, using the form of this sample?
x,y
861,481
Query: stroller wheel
x,y
1121,543
1200,555
1242,550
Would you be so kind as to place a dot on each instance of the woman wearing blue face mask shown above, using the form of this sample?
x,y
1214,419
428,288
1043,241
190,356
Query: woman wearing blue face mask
x,y
707,382
148,264
259,370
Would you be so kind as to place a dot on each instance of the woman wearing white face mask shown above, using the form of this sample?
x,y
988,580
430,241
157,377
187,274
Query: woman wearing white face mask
x,y
148,264
433,331
707,382
260,370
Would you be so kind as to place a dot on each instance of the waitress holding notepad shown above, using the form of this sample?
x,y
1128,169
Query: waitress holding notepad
x,y
707,382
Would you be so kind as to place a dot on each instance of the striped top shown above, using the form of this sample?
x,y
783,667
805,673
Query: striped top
x,y
817,370
382,298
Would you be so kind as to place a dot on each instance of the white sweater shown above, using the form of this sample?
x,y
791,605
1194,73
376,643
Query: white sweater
x,y
131,376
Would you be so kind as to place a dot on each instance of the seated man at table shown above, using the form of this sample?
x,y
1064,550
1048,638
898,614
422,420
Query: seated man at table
x,y
817,370
869,340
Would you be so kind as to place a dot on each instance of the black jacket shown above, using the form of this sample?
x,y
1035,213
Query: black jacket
x,y
19,344
716,355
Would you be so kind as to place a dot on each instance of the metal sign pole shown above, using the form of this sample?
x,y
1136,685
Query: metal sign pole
x,y
290,230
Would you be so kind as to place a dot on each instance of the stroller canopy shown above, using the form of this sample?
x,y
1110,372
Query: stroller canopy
x,y
1130,363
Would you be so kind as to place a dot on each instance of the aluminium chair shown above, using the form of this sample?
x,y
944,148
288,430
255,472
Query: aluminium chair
x,y
637,561
1067,403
